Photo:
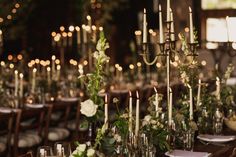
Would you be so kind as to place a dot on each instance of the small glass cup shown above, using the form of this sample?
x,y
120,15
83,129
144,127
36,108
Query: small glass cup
x,y
44,151
62,149
188,140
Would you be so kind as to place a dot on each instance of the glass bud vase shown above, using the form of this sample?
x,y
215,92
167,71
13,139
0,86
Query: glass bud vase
x,y
218,122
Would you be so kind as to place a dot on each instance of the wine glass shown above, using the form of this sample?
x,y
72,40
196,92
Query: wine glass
x,y
44,151
62,149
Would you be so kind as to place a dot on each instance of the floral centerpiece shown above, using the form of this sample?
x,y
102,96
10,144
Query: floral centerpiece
x,y
93,107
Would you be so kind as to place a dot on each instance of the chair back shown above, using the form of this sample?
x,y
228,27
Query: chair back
x,y
6,120
28,154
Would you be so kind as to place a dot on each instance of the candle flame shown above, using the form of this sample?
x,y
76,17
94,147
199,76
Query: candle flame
x,y
21,75
16,72
170,90
190,9
170,10
48,69
34,70
106,97
155,89
189,86
130,93
137,94
144,10
159,8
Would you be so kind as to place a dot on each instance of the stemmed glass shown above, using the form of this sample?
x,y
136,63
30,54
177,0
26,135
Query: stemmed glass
x,y
44,151
62,149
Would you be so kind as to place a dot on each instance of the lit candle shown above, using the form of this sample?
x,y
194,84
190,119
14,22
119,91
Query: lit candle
x,y
170,108
138,37
84,34
53,65
191,25
139,65
16,83
156,102
161,26
130,112
58,72
190,102
144,26
106,113
106,110
137,115
21,85
218,88
199,92
77,28
49,75
168,11
34,80
89,23
172,29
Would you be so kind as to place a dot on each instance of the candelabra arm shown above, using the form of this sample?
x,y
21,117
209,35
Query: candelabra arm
x,y
147,62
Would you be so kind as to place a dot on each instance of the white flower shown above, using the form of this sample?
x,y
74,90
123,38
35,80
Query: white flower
x,y
117,137
148,118
100,55
88,108
81,148
90,152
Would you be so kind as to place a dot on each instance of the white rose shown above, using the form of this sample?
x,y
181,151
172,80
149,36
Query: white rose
x,y
148,118
81,148
88,108
90,152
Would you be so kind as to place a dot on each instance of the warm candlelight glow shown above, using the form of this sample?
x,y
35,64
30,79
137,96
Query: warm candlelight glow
x,y
53,34
71,28
62,28
77,28
53,57
131,66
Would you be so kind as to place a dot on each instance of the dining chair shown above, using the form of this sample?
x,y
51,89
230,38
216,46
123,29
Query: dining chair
x,y
6,120
28,154
30,128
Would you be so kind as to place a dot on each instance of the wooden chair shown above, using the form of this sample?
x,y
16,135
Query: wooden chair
x,y
28,154
61,111
6,120
31,127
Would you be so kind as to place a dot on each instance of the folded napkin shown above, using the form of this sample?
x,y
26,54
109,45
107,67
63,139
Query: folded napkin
x,y
216,138
183,153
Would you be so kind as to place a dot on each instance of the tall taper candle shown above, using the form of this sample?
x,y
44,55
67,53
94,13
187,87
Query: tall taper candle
x,y
16,83
34,80
218,88
199,92
190,102
168,11
49,75
53,65
191,25
106,110
130,112
156,102
21,85
172,29
144,26
77,28
137,115
170,108
161,26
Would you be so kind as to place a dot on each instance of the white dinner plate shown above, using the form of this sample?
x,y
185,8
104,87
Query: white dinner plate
x,y
216,138
183,153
